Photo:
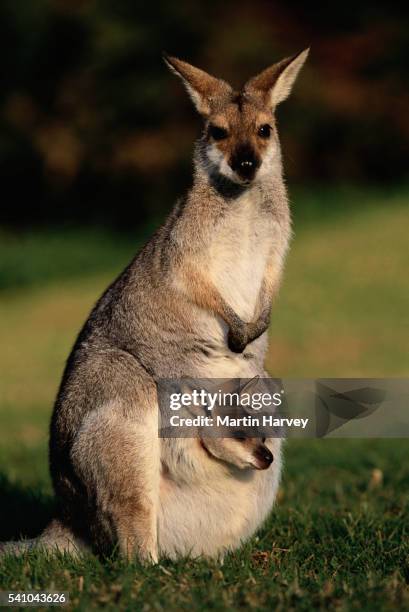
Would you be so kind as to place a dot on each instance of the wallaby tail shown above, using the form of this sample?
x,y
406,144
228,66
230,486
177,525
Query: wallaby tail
x,y
55,538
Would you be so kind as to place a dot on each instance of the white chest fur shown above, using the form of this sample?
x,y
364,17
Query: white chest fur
x,y
238,254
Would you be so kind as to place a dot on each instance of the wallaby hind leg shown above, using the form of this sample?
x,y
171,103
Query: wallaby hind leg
x,y
116,455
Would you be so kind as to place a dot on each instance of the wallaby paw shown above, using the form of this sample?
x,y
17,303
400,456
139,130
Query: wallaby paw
x,y
236,342
255,330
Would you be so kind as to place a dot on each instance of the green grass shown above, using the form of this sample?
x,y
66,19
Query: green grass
x,y
32,260
338,537
335,540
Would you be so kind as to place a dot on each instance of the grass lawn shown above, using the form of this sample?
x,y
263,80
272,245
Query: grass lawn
x,y
338,537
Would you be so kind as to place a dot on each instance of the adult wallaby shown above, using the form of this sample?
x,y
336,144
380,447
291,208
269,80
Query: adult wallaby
x,y
194,302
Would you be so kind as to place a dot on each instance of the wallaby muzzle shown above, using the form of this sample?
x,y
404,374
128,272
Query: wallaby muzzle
x,y
245,162
263,456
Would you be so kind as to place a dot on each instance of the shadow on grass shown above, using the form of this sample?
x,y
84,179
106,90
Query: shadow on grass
x,y
24,512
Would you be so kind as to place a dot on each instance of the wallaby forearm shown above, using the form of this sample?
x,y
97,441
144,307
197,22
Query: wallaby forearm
x,y
203,293
265,299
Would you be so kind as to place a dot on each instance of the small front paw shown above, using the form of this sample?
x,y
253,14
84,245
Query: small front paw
x,y
237,341
255,330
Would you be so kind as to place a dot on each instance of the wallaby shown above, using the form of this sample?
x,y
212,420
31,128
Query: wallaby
x,y
194,302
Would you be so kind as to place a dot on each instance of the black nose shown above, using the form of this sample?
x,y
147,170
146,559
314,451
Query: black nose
x,y
245,162
264,457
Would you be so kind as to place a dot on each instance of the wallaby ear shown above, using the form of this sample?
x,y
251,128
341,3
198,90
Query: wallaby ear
x,y
275,83
203,88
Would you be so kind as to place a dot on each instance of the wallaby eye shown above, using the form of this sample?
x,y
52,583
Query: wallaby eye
x,y
217,133
264,131
240,436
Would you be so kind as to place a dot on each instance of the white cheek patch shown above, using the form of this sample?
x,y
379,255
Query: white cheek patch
x,y
225,170
218,161
214,154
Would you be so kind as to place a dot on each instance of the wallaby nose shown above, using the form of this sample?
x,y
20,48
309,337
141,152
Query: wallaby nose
x,y
246,165
245,162
264,457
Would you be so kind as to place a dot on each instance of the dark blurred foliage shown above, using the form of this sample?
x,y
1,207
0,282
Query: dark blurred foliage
x,y
95,129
